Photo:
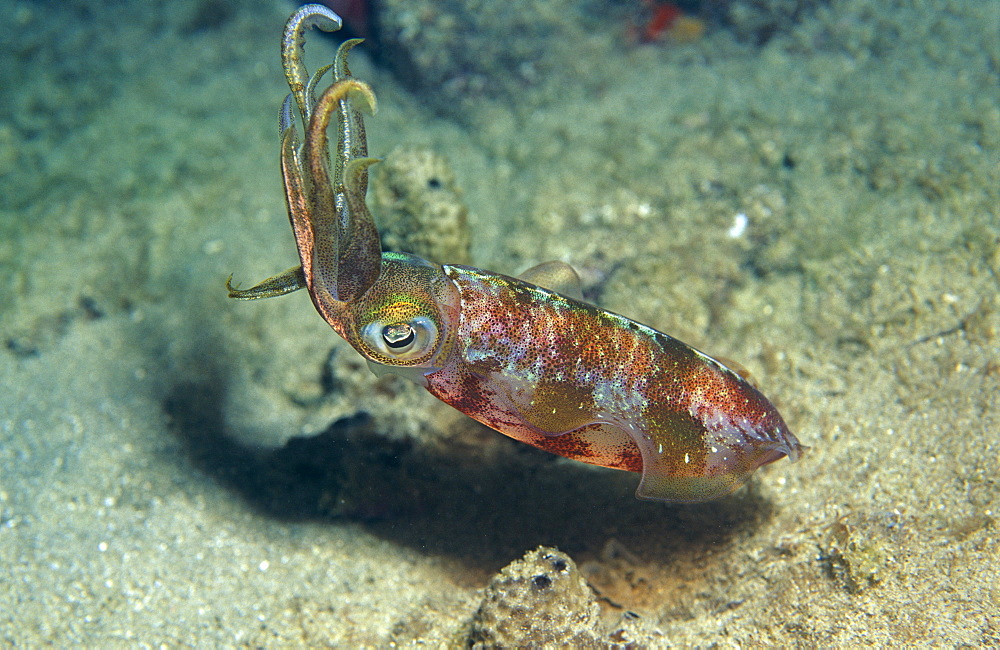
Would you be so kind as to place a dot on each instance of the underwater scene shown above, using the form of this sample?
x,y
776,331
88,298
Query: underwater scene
x,y
612,323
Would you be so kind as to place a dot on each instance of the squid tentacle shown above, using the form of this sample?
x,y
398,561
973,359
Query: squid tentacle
x,y
292,44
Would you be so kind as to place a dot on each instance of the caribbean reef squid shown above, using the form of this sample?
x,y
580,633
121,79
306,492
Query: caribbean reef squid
x,y
525,356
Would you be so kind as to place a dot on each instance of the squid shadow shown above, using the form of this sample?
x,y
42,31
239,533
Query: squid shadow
x,y
443,503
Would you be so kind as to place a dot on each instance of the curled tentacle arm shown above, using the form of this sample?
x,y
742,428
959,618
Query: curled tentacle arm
x,y
292,42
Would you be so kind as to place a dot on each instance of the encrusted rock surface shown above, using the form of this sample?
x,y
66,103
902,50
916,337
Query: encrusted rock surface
x,y
419,208
542,600
537,600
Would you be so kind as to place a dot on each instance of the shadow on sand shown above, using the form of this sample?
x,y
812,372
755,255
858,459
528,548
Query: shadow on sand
x,y
482,513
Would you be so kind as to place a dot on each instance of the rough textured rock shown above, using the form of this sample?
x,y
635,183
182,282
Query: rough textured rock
x,y
419,207
538,600
542,601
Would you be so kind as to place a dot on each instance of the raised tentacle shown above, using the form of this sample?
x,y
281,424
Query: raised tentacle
x,y
337,240
292,42
315,79
298,202
346,249
360,242
352,142
285,115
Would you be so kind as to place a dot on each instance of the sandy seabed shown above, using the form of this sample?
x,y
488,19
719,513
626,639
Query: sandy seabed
x,y
177,468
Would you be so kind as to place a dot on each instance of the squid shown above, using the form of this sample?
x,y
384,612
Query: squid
x,y
526,356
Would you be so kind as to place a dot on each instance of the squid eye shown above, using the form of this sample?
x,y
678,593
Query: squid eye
x,y
398,336
408,342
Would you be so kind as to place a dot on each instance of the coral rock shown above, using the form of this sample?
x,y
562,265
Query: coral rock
x,y
538,600
419,207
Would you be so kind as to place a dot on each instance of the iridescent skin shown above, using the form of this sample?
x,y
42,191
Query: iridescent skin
x,y
536,364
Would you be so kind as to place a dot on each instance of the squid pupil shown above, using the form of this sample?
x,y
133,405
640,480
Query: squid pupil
x,y
398,336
